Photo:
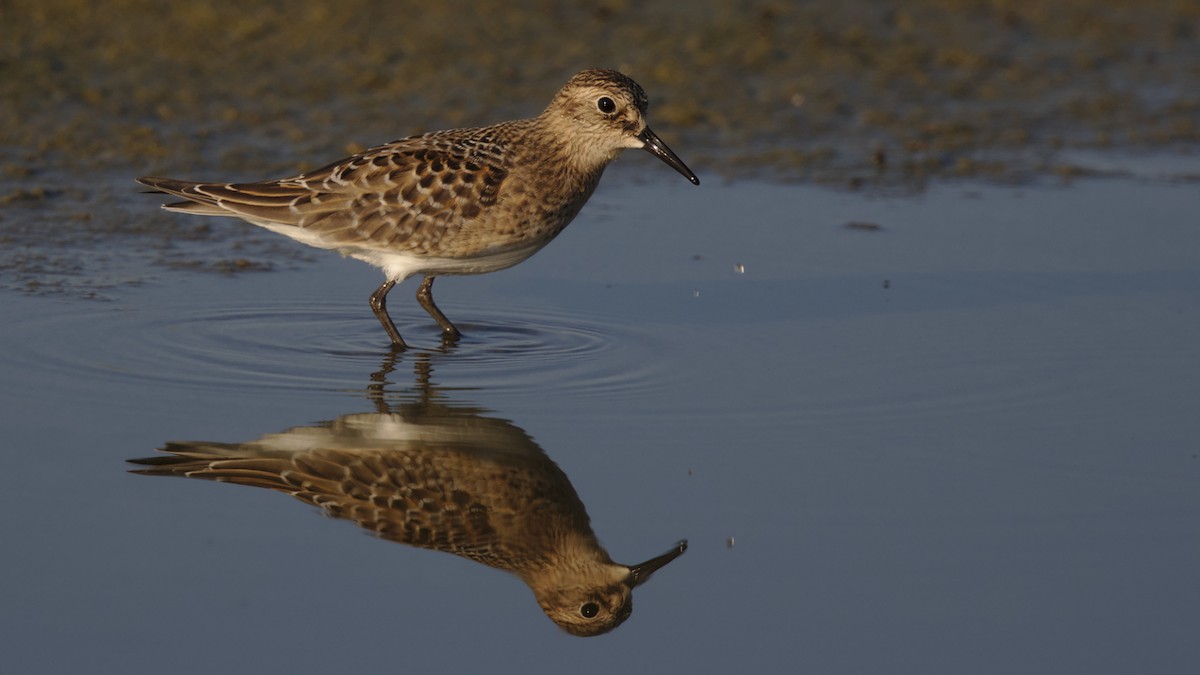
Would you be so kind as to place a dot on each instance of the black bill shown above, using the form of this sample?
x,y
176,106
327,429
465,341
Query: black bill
x,y
655,146
638,574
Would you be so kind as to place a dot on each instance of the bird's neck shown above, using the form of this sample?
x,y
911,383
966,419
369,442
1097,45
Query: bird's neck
x,y
581,160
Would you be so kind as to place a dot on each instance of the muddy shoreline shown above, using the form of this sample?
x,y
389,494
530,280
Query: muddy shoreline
x,y
820,91
873,95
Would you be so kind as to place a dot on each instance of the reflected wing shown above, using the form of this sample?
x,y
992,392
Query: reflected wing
x,y
497,508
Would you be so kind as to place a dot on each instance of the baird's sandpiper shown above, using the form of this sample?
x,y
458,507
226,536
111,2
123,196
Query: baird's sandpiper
x,y
463,201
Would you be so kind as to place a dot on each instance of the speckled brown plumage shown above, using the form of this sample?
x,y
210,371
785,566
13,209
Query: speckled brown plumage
x,y
464,201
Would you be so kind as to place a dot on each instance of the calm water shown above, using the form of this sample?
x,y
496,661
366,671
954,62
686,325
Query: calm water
x,y
964,442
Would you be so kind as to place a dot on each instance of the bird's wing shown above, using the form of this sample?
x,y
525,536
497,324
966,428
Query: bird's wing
x,y
413,191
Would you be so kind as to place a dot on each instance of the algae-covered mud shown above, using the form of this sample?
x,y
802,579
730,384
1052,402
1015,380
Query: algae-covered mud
x,y
795,89
857,93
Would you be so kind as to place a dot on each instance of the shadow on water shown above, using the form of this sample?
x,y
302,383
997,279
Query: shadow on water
x,y
430,472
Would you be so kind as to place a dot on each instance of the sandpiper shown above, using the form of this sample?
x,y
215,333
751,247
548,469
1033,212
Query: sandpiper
x,y
445,478
463,201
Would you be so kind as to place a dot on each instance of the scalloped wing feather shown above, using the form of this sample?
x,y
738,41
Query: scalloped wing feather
x,y
414,192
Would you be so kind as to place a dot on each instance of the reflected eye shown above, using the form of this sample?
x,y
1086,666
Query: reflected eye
x,y
605,105
589,610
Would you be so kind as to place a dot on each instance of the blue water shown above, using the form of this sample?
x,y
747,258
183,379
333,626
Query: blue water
x,y
964,442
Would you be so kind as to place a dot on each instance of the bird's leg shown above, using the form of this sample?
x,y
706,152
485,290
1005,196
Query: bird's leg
x,y
379,306
425,297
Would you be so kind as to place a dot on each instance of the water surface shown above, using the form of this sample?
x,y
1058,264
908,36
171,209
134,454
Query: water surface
x,y
961,441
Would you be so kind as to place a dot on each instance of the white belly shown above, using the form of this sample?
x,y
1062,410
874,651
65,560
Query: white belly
x,y
399,265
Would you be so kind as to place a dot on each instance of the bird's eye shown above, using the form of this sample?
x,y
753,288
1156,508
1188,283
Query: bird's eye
x,y
589,610
605,105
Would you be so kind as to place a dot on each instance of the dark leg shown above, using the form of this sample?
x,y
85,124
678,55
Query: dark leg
x,y
379,306
425,297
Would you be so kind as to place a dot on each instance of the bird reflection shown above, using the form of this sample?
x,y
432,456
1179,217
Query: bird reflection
x,y
441,476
